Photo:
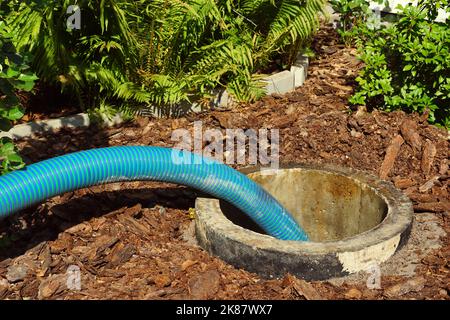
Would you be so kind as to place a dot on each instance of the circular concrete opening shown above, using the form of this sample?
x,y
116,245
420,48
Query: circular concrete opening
x,y
354,220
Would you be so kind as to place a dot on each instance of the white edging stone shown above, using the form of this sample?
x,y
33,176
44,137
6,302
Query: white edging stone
x,y
299,74
28,129
280,82
288,80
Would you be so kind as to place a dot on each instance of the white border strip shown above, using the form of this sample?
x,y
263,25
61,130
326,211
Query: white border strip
x,y
28,129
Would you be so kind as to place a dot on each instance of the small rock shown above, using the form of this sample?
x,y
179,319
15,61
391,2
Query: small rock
x,y
69,260
304,133
329,50
361,112
147,128
224,119
356,134
162,211
205,285
443,292
353,293
188,234
324,154
16,273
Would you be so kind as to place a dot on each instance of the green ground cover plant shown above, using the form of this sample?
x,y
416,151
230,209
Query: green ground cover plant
x,y
406,62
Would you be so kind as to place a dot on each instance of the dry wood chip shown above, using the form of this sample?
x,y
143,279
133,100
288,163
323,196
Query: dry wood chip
x,y
391,154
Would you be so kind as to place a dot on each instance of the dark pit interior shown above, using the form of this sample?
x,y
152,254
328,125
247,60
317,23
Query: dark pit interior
x,y
327,205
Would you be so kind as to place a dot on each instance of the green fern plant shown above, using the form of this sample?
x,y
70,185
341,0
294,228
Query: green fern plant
x,y
201,44
91,62
161,52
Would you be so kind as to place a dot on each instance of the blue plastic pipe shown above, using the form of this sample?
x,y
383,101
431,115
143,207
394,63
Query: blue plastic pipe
x,y
45,179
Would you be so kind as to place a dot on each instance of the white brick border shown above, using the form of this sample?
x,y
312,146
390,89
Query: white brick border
x,y
28,129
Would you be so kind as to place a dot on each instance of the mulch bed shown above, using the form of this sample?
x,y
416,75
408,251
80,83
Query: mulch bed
x,y
134,240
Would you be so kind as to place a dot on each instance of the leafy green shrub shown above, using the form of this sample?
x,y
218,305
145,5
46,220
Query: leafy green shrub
x,y
407,65
14,76
10,159
160,52
353,13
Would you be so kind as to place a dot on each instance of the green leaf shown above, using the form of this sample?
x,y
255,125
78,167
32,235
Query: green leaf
x,y
15,113
14,158
407,67
28,77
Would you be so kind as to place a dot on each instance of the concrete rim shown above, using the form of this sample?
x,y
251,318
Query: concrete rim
x,y
388,236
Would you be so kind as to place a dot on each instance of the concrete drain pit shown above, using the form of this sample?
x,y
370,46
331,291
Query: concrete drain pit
x,y
353,219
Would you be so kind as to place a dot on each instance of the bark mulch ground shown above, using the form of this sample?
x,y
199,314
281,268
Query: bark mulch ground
x,y
134,240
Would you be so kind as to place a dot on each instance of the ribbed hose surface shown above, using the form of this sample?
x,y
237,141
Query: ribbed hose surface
x,y
55,176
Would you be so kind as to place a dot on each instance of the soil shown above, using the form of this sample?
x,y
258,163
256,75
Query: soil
x,y
46,103
135,240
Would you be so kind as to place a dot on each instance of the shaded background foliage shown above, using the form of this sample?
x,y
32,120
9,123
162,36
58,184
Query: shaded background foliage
x,y
407,62
160,52
146,53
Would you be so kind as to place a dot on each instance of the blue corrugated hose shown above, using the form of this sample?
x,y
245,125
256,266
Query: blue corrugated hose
x,y
48,178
